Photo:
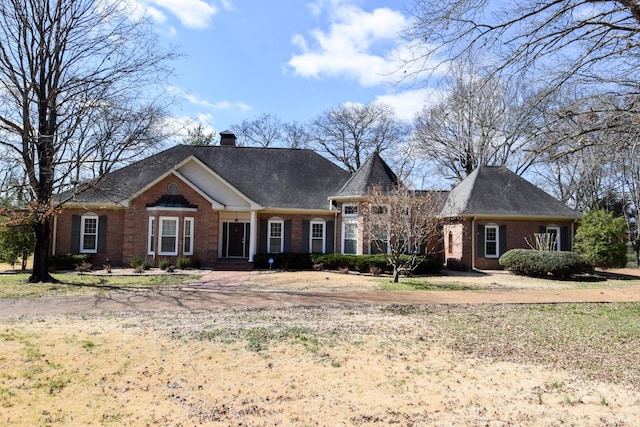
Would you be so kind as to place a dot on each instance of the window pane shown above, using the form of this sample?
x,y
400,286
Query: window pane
x,y
317,231
316,246
491,234
90,225
274,245
276,229
169,227
350,210
491,248
89,242
349,246
350,231
168,244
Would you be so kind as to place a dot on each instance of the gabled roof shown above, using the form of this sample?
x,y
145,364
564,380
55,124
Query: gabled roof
x,y
496,191
373,172
272,177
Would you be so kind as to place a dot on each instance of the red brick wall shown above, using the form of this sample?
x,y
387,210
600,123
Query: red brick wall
x,y
297,239
136,223
115,228
517,230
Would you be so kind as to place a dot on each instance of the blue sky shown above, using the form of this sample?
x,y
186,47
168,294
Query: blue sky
x,y
291,58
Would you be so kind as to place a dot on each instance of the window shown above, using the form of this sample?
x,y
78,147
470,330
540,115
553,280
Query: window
x,y
168,236
379,240
349,238
378,210
491,241
450,242
350,210
187,240
89,234
317,237
151,239
276,236
553,232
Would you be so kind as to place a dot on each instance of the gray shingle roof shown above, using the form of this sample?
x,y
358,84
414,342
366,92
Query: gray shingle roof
x,y
373,172
272,177
496,191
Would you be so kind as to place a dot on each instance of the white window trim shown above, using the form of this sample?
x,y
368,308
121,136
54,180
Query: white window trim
x,y
344,224
350,205
557,230
188,232
160,221
269,237
82,233
324,234
151,236
497,241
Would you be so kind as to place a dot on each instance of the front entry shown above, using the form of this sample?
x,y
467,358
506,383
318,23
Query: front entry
x,y
235,239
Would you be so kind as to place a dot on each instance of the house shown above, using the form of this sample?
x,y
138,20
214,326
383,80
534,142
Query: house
x,y
493,210
223,203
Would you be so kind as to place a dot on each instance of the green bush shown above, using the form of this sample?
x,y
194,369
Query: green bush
x,y
163,264
183,262
283,261
534,263
67,261
138,262
601,239
364,263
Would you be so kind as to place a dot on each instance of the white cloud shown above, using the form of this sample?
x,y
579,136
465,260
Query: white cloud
x,y
220,105
358,44
191,13
406,104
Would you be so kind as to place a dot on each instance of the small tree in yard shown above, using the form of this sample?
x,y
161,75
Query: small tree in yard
x,y
601,239
16,242
399,222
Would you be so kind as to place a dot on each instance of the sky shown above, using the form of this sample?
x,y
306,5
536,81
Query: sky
x,y
291,58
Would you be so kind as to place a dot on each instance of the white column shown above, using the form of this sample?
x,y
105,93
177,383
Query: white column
x,y
253,234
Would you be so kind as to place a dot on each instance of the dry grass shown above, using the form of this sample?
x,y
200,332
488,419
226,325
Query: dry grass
x,y
408,365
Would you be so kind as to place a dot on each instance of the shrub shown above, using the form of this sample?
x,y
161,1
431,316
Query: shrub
x,y
139,263
183,262
284,261
84,267
67,261
600,239
163,264
530,262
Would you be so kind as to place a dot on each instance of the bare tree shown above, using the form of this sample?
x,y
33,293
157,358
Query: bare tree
x,y
295,135
347,134
481,120
399,223
595,42
264,131
62,64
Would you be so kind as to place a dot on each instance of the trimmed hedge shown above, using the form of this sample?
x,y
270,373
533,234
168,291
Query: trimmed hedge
x,y
530,262
360,263
68,261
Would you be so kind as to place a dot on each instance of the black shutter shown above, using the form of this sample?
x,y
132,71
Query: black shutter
x,y
480,240
102,234
330,233
542,229
502,231
262,246
75,234
305,236
564,239
287,236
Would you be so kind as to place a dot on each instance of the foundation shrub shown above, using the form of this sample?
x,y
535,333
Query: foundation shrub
x,y
535,263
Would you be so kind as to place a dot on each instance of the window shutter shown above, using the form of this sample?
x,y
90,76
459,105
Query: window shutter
x,y
287,236
306,225
330,236
502,231
542,229
102,234
480,240
75,234
564,239
262,244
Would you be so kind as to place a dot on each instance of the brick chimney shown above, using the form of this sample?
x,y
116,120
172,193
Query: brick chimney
x,y
227,139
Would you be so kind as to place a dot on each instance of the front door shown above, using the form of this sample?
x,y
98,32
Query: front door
x,y
235,239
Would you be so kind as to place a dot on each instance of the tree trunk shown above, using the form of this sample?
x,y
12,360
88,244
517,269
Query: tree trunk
x,y
40,271
396,274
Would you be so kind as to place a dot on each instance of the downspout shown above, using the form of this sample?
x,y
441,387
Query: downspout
x,y
573,232
473,243
335,231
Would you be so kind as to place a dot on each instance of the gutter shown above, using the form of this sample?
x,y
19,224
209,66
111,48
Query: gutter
x,y
473,244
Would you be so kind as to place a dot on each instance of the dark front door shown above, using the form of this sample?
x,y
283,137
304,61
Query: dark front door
x,y
237,239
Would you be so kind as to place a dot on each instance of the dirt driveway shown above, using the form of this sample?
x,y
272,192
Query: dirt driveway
x,y
219,289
